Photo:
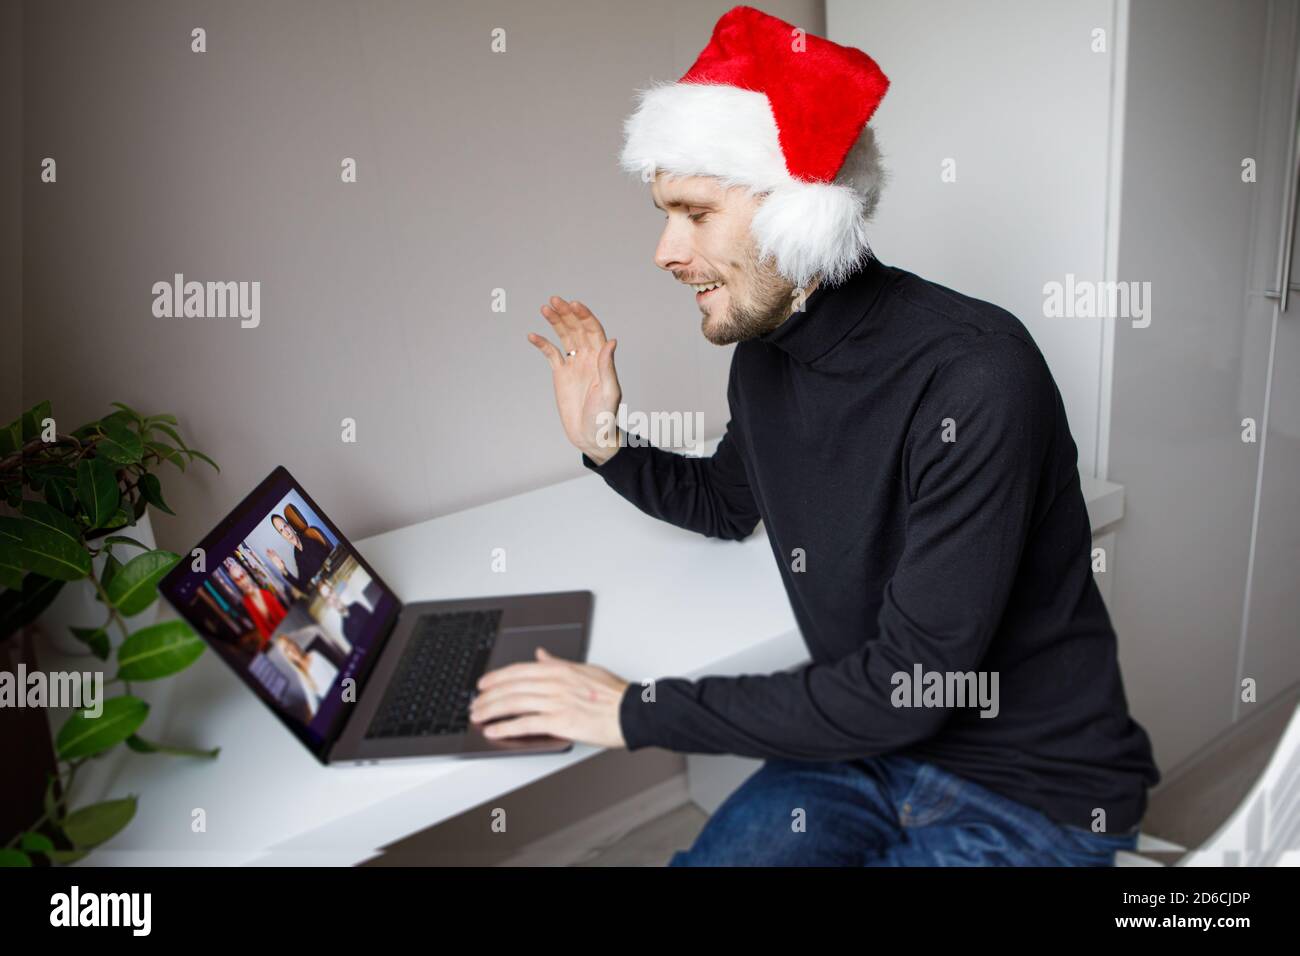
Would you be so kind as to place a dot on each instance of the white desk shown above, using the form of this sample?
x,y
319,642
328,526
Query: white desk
x,y
668,603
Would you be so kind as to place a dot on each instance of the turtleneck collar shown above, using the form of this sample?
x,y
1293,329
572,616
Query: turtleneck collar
x,y
829,314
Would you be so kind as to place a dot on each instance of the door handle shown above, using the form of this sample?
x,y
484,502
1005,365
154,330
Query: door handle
x,y
1274,294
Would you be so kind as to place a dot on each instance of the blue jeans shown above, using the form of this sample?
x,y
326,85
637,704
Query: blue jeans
x,y
885,811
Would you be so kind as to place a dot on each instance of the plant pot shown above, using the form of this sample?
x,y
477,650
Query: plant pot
x,y
78,604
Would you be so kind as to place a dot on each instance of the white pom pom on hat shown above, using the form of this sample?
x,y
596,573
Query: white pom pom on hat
x,y
778,112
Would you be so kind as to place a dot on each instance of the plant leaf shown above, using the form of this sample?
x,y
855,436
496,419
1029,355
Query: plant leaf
x,y
123,539
43,514
97,490
121,443
128,409
170,432
158,651
151,488
40,473
92,825
32,419
111,567
14,858
135,586
142,746
11,437
51,803
36,843
52,544
20,608
198,454
62,495
118,417
167,453
96,638
83,736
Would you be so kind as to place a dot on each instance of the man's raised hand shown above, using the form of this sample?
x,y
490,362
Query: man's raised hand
x,y
585,382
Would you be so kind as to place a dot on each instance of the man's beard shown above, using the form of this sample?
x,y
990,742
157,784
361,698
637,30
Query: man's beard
x,y
770,302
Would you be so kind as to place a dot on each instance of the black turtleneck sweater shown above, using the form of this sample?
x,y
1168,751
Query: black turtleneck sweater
x,y
908,451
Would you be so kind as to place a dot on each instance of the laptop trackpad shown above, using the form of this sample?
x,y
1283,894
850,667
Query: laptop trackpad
x,y
515,644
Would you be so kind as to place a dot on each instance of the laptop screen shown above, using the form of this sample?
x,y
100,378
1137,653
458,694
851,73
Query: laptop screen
x,y
287,602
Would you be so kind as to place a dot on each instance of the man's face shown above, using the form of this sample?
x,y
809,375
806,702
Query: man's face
x,y
706,239
287,533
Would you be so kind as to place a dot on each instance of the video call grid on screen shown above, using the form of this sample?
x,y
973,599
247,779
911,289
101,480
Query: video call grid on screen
x,y
287,603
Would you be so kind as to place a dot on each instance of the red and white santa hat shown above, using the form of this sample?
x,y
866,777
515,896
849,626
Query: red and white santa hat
x,y
780,112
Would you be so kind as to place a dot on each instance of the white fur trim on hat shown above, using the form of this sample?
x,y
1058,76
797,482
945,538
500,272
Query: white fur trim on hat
x,y
730,134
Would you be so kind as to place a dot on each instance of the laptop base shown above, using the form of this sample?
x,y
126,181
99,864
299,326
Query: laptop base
x,y
558,621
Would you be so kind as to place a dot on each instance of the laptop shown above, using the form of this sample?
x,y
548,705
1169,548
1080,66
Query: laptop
x,y
355,673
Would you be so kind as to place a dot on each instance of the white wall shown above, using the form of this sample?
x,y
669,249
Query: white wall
x,y
477,171
1014,94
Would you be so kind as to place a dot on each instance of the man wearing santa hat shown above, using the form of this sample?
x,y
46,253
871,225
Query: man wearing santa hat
x,y
909,455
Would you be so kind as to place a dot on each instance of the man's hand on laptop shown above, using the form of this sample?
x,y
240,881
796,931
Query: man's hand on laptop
x,y
552,696
586,384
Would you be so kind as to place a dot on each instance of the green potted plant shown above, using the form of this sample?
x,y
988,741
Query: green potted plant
x,y
71,506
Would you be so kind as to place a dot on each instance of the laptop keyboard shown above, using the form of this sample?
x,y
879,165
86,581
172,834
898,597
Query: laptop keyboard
x,y
430,691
